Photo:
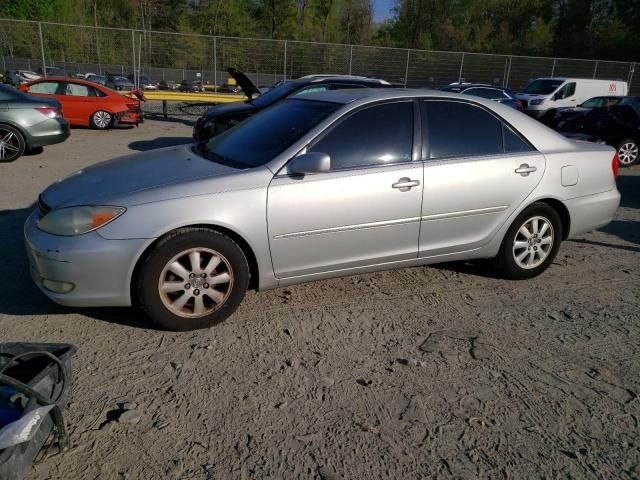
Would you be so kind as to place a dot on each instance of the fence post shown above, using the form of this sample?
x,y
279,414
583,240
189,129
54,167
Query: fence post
x,y
595,69
350,58
284,71
406,68
553,68
44,68
632,68
133,53
461,64
215,64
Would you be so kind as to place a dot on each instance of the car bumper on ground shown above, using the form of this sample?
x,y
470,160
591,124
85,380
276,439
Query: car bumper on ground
x,y
81,271
49,132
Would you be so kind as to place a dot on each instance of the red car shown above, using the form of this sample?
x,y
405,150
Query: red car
x,y
86,103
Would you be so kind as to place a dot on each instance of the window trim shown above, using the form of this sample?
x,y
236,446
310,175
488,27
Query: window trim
x,y
415,148
426,145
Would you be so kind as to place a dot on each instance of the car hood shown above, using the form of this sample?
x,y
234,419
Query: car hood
x,y
129,176
232,108
247,86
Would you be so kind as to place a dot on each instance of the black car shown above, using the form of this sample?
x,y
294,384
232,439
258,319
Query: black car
x,y
191,86
221,117
556,117
617,125
490,92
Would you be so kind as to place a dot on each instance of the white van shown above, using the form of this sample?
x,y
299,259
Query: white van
x,y
543,94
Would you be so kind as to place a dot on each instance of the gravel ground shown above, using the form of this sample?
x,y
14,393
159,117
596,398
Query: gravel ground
x,y
427,372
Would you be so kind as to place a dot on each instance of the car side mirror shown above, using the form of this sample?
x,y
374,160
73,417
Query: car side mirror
x,y
311,162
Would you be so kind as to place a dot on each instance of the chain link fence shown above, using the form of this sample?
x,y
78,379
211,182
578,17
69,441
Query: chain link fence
x,y
26,45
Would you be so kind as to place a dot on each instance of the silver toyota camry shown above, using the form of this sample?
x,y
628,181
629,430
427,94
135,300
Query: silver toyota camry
x,y
318,186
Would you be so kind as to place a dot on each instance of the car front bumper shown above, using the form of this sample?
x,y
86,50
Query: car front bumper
x,y
96,270
49,132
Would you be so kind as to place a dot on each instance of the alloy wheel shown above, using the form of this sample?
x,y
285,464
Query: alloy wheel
x,y
9,145
102,119
195,282
533,242
628,153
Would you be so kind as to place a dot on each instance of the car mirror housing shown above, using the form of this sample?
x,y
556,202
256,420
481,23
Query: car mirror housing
x,y
311,162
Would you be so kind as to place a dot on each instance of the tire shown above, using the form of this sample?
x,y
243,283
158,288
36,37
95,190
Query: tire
x,y
163,278
628,152
101,120
12,144
510,260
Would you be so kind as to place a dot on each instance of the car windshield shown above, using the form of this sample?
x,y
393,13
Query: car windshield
x,y
633,102
121,79
273,95
597,102
267,134
543,87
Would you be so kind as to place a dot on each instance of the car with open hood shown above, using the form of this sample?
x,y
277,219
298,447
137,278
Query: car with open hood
x,y
224,116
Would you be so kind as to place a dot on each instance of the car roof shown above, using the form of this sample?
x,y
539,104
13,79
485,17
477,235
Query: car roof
x,y
341,78
539,135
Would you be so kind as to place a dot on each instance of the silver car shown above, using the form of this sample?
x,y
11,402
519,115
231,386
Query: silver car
x,y
314,187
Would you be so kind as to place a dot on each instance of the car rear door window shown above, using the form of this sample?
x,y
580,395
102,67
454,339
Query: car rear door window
x,y
44,87
77,90
457,129
373,136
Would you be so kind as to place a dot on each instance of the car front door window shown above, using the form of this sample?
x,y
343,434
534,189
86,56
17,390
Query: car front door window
x,y
49,88
374,136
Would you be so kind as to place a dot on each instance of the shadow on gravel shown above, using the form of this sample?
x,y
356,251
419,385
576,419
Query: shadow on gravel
x,y
626,230
189,121
160,142
20,296
629,186
478,268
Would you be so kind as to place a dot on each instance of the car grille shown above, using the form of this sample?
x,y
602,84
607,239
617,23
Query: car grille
x,y
43,208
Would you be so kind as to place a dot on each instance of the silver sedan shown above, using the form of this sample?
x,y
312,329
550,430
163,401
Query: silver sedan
x,y
314,187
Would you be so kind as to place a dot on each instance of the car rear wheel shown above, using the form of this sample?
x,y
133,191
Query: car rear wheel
x,y
628,152
531,243
193,278
101,120
12,144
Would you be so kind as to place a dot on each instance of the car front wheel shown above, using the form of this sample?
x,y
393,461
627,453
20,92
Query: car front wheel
x,y
628,152
193,278
531,243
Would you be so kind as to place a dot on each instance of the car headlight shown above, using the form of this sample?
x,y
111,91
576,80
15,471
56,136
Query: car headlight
x,y
538,101
78,220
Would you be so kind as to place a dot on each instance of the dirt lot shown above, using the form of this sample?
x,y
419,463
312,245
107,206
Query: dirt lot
x,y
441,372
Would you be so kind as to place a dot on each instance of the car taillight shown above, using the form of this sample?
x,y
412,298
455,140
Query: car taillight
x,y
519,104
49,112
133,106
615,165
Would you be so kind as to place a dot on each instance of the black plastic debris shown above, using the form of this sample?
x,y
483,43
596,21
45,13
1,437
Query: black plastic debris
x,y
35,387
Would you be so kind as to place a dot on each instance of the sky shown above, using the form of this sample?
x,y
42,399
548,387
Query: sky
x,y
382,10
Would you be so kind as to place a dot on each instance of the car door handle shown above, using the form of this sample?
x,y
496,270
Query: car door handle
x,y
525,170
405,184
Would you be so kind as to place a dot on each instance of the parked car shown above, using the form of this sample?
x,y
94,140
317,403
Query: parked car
x,y
194,86
168,85
16,77
490,92
52,72
317,186
557,117
617,125
228,88
221,117
118,83
543,94
87,103
99,79
145,82
28,123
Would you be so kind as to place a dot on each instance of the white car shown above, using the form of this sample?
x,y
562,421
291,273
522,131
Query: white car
x,y
544,94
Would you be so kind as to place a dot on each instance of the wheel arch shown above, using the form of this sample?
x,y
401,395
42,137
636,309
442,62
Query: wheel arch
x,y
562,211
242,243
